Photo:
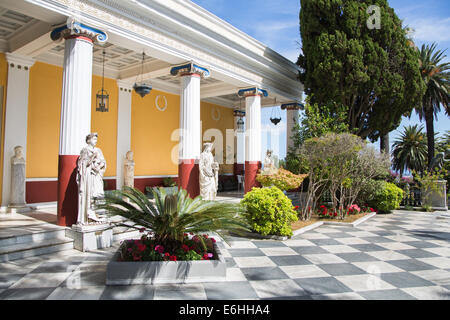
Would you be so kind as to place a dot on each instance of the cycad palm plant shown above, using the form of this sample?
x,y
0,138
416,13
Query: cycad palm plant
x,y
436,75
410,150
173,215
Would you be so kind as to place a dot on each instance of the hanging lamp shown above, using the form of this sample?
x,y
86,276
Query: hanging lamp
x,y
240,121
142,88
273,116
102,97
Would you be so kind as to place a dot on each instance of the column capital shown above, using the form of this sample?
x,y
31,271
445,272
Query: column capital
x,y
239,113
75,28
123,85
293,106
19,60
253,91
189,68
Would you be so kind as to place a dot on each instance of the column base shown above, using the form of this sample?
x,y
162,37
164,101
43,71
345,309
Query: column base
x,y
91,237
188,177
67,190
238,169
251,170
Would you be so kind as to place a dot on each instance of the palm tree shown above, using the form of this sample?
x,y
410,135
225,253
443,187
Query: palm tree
x,y
410,150
436,76
173,215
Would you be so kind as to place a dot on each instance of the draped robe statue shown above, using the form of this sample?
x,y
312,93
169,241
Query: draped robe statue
x,y
129,170
269,166
91,167
209,174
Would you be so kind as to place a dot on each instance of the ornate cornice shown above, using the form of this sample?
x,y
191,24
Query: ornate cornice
x,y
292,106
189,69
75,28
254,91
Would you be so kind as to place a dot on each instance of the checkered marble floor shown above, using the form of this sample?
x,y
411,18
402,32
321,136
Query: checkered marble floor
x,y
405,255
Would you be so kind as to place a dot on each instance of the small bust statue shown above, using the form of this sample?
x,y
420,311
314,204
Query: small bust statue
x,y
91,167
129,170
209,173
269,166
18,155
437,163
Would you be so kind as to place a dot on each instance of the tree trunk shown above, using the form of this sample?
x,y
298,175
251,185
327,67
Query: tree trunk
x,y
430,134
384,143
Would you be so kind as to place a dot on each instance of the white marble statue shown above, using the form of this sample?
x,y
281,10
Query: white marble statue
x,y
209,174
269,165
17,196
91,167
129,170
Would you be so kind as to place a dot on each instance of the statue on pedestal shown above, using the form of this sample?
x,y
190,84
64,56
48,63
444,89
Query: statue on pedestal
x,y
269,165
129,170
17,196
209,174
91,167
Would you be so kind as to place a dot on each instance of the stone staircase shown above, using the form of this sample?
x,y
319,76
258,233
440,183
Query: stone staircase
x,y
22,237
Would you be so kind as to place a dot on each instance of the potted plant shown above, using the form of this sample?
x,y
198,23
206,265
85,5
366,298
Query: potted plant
x,y
170,185
174,247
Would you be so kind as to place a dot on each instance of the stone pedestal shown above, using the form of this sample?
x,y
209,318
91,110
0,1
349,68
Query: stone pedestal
x,y
91,237
437,199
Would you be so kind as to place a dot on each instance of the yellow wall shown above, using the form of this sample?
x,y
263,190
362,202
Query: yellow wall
x,y
44,109
151,129
3,82
225,121
105,123
151,132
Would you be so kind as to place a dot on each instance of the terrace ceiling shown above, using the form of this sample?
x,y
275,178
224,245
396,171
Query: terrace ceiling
x,y
25,29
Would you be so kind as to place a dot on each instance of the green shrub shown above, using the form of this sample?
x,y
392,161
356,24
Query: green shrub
x,y
269,211
387,196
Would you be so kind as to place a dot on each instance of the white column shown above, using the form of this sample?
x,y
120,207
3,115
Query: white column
x,y
76,95
292,120
16,115
123,129
253,128
190,134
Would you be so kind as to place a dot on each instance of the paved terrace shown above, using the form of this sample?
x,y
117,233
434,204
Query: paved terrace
x,y
405,255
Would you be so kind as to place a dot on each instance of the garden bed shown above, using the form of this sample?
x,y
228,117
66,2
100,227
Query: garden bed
x,y
155,272
300,227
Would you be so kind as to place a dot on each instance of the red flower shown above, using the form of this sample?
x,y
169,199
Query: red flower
x,y
141,247
213,240
335,214
296,207
185,248
141,230
205,256
166,254
173,258
159,248
371,210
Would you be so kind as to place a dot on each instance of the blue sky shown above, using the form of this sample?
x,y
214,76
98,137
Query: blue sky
x,y
275,23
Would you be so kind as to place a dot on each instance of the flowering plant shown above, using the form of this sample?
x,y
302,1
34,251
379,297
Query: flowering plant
x,y
353,209
193,247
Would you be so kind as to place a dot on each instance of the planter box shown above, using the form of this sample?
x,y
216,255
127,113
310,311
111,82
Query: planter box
x,y
154,272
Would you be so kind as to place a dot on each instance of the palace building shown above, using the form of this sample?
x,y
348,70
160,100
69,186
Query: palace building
x,y
71,67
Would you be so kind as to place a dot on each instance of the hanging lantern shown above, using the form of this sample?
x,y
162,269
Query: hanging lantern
x,y
102,97
275,117
240,113
240,125
142,88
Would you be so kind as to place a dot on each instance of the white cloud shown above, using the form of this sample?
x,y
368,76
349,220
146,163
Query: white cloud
x,y
431,29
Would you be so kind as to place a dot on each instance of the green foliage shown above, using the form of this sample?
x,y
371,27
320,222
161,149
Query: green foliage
x,y
427,181
372,73
269,211
169,182
170,216
282,179
387,196
410,150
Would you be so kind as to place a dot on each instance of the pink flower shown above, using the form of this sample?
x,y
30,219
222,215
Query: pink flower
x,y
159,248
210,255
